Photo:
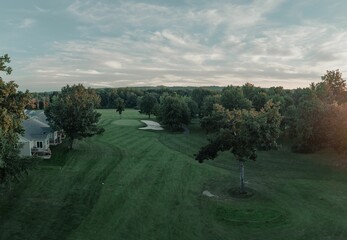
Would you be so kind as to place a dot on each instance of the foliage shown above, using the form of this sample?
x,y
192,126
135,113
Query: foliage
x,y
216,120
8,158
336,85
108,96
12,104
336,127
243,133
309,127
3,68
131,100
147,104
120,106
173,112
233,98
318,112
198,95
12,167
74,111
259,100
193,106
208,103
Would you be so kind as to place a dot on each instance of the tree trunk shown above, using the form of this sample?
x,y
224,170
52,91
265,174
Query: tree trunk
x,y
2,175
242,177
71,143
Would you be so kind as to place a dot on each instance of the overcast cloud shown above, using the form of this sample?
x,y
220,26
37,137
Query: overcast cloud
x,y
174,43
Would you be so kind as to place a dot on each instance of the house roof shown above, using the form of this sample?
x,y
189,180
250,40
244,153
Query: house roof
x,y
22,139
37,114
35,129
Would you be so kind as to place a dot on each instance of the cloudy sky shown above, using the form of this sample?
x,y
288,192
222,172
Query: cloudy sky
x,y
112,43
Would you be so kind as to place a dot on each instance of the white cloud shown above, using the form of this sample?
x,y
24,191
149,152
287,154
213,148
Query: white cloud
x,y
100,84
90,72
63,75
44,71
113,64
212,43
41,10
27,23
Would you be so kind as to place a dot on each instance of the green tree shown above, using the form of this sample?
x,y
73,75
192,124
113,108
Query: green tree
x,y
120,106
198,95
259,100
113,95
309,126
173,112
233,98
3,61
73,111
336,85
244,132
131,100
208,103
148,103
249,90
216,120
336,127
12,104
193,106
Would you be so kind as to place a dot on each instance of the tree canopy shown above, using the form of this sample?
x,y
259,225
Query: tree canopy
x,y
335,84
173,112
73,111
120,106
3,68
243,132
148,103
233,98
12,104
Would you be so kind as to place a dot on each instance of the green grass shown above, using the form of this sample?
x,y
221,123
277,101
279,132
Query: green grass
x,y
136,184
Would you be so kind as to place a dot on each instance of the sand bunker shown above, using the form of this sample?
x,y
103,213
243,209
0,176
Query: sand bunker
x,y
151,125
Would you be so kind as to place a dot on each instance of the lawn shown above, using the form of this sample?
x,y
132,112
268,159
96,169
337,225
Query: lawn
x,y
137,184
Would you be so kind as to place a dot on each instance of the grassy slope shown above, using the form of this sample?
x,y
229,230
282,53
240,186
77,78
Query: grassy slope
x,y
135,184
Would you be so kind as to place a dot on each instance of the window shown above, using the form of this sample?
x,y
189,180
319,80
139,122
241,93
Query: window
x,y
39,144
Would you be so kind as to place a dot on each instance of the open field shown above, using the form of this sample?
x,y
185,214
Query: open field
x,y
137,184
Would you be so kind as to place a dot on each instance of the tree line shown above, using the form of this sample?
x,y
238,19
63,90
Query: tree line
x,y
299,108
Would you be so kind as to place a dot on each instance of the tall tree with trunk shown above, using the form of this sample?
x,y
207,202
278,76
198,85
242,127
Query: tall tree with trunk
x,y
147,104
243,132
173,112
73,111
120,106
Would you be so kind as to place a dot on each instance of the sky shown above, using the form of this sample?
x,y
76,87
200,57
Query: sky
x,y
112,43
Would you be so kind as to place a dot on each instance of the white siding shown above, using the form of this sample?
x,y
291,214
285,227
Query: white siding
x,y
25,150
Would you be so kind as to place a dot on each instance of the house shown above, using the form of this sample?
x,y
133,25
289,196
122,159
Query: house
x,y
36,138
25,146
38,135
55,137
